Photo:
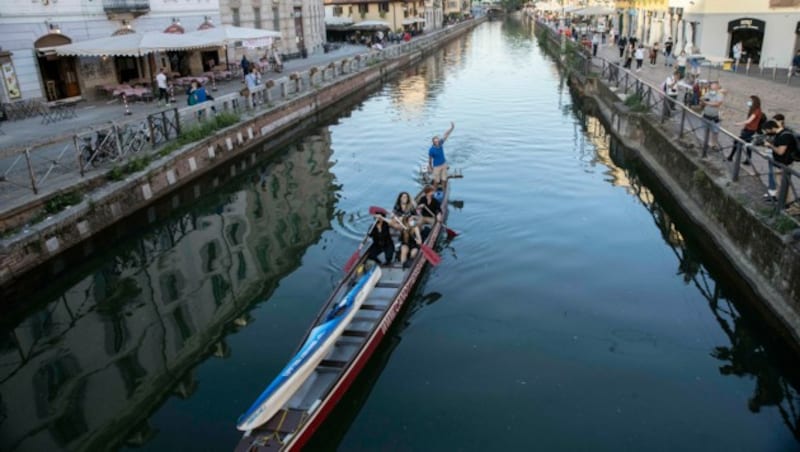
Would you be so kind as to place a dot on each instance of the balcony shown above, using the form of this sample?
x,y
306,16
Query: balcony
x,y
120,9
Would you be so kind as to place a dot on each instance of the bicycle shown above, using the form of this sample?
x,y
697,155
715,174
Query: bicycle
x,y
98,147
134,138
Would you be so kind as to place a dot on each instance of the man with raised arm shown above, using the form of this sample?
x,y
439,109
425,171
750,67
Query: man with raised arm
x,y
436,161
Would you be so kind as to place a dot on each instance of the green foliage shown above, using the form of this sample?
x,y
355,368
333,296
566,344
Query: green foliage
x,y
635,102
62,201
784,224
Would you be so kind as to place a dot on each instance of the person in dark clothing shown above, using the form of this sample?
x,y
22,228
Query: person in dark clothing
x,y
429,207
668,52
622,43
783,147
381,242
245,66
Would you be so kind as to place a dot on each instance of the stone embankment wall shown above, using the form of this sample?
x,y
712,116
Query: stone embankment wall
x,y
765,260
113,202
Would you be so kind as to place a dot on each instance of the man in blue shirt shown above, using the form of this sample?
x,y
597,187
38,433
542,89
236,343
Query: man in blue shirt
x,y
436,161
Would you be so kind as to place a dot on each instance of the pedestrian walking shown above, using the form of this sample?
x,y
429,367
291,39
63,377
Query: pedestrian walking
x,y
628,56
639,55
622,44
245,66
737,55
681,61
653,54
595,44
668,52
161,82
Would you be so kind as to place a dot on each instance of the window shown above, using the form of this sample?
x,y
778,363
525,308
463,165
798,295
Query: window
x,y
383,7
257,17
363,8
276,18
235,14
337,11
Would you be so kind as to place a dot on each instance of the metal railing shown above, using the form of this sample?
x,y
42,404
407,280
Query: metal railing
x,y
679,121
66,161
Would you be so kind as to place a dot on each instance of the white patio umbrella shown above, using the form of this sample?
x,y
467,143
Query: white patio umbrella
x,y
594,11
229,34
371,25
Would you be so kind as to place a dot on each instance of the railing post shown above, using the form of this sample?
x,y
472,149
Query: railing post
x,y
152,134
177,122
783,189
78,154
737,158
683,121
706,136
117,139
30,171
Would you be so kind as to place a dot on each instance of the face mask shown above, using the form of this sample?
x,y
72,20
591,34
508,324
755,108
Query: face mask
x,y
749,103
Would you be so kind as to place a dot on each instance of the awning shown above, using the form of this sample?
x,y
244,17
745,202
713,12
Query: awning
x,y
413,20
371,25
228,34
133,44
338,21
594,11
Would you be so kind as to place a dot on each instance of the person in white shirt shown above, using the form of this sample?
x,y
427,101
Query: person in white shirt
x,y
161,81
671,90
639,56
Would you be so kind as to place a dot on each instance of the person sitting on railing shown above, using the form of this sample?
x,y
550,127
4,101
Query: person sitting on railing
x,y
783,147
197,95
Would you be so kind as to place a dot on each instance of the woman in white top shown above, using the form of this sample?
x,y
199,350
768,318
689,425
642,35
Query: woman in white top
x,y
639,55
682,63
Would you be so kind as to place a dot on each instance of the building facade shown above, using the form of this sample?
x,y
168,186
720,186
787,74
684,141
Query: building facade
x,y
399,15
300,22
769,30
30,26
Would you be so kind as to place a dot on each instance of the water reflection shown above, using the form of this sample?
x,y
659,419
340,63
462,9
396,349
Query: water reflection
x,y
752,352
90,365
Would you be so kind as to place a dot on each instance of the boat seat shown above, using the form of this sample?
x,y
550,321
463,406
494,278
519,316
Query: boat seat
x,y
332,363
354,333
285,421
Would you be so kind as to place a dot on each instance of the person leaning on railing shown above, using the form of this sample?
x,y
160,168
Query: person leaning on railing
x,y
783,147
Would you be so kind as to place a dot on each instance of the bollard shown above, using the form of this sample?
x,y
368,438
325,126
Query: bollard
x,y
125,101
747,68
213,82
172,94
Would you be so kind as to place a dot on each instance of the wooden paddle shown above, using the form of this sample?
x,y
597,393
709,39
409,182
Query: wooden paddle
x,y
431,255
451,234
354,258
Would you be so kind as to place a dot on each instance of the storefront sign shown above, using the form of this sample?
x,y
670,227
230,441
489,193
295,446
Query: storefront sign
x,y
10,80
746,24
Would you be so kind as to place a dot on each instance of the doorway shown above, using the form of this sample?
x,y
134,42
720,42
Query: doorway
x,y
298,31
59,75
750,32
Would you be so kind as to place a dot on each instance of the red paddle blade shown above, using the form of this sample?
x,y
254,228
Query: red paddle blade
x,y
377,210
350,262
451,234
431,255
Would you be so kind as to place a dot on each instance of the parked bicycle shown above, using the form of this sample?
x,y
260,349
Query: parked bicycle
x,y
98,147
134,137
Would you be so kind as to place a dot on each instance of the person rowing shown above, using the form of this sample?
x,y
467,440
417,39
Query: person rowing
x,y
381,241
437,164
429,207
403,207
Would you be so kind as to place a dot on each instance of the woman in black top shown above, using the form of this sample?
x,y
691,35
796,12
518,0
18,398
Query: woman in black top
x,y
381,241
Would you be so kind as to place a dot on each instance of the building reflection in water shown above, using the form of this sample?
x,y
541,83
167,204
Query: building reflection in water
x,y
752,353
88,367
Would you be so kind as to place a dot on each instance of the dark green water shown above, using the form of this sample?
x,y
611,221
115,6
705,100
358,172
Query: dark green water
x,y
575,311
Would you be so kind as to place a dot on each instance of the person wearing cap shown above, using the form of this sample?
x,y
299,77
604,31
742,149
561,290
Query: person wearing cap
x,y
436,161
783,146
410,240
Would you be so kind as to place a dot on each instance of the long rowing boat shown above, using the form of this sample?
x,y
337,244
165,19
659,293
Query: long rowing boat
x,y
363,305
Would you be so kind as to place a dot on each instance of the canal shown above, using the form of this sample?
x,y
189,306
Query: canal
x,y
576,310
